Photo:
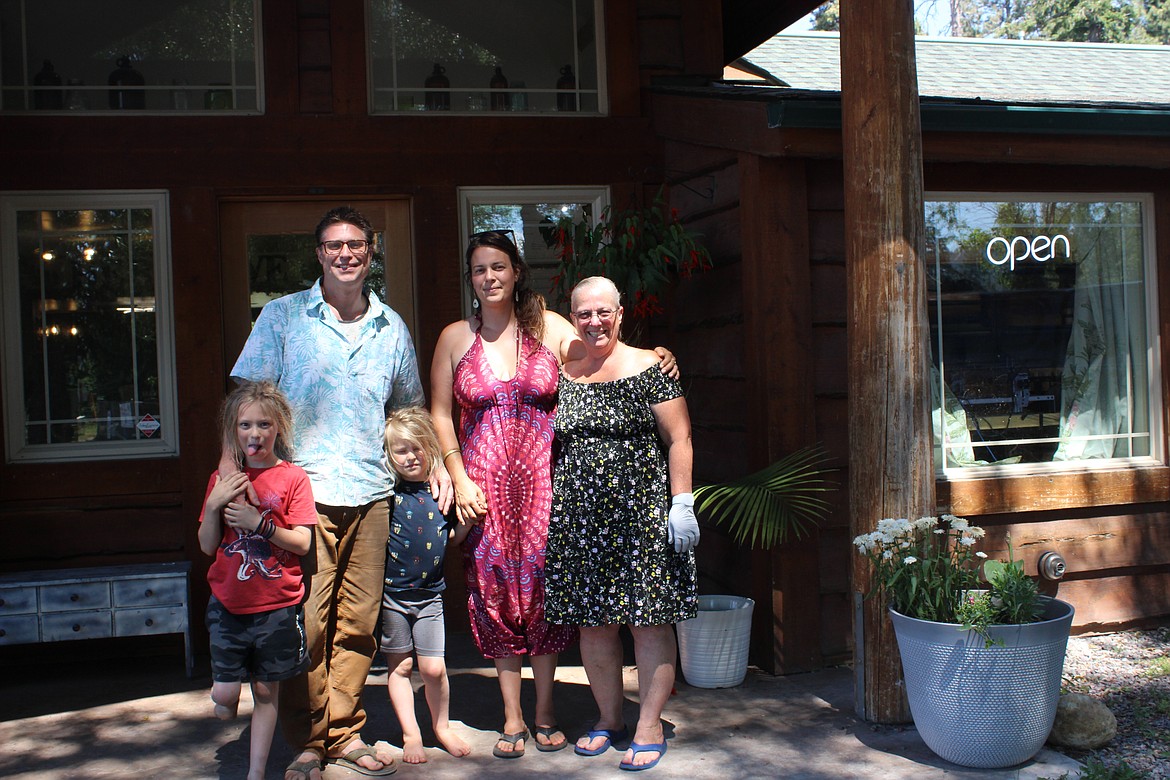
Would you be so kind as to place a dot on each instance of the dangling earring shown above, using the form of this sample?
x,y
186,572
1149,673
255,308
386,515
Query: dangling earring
x,y
516,296
475,303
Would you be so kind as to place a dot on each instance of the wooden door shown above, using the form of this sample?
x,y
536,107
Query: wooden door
x,y
268,249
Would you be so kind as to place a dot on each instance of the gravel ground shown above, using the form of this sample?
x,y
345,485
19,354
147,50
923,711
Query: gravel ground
x,y
1130,673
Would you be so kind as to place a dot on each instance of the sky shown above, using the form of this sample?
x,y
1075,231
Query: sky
x,y
931,13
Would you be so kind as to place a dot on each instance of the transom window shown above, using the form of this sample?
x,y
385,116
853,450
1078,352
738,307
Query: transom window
x,y
129,56
88,365
1043,330
528,56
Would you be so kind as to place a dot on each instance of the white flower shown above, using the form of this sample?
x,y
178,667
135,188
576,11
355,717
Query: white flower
x,y
922,523
980,554
940,530
967,541
976,531
909,560
887,555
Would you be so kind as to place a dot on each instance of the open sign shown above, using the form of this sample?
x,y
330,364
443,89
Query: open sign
x,y
1039,248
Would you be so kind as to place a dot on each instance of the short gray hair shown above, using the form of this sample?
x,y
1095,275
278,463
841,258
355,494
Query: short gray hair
x,y
602,282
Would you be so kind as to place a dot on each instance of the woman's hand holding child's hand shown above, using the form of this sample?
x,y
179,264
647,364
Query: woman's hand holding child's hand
x,y
470,502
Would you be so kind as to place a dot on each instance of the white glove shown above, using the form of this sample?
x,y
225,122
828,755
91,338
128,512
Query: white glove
x,y
682,525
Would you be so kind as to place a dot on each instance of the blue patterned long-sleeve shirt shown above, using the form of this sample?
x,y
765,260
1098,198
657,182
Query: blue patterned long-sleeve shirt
x,y
339,390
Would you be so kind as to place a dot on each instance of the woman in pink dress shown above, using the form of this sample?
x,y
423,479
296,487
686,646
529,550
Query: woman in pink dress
x,y
501,365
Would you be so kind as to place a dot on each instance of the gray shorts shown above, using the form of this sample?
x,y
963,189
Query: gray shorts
x,y
413,620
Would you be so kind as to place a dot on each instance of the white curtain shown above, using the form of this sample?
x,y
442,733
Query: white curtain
x,y
1097,386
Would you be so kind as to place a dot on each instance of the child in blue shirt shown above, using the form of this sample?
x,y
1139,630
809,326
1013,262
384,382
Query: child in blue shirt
x,y
412,601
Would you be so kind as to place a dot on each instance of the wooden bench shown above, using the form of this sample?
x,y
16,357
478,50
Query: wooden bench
x,y
93,603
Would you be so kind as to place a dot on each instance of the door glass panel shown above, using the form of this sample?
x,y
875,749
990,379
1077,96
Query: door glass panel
x,y
284,263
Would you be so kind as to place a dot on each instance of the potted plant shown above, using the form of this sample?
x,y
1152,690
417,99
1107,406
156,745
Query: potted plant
x,y
761,509
641,249
982,660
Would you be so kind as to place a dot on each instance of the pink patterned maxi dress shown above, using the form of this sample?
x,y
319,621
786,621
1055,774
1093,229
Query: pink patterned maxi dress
x,y
506,433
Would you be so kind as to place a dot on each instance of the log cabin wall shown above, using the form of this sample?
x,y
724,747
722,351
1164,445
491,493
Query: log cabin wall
x,y
1111,527
314,141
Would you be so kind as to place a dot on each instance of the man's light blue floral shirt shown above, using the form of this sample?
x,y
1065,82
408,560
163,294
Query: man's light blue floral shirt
x,y
339,391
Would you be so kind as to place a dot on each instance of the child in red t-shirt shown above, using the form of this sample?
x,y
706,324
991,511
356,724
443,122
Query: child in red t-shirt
x,y
254,615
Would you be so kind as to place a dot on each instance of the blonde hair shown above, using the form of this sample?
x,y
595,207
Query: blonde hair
x,y
272,402
413,425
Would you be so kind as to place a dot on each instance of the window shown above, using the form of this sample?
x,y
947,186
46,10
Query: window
x,y
130,55
1043,329
88,363
525,211
530,56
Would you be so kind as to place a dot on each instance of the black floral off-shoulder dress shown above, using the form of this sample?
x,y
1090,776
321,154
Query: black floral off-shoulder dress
x,y
608,560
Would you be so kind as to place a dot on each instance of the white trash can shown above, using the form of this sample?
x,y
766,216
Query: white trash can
x,y
714,646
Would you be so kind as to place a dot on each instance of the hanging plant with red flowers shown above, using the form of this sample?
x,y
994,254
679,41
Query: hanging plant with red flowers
x,y
641,249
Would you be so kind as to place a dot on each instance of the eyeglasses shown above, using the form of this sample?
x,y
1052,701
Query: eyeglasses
x,y
357,246
605,315
505,234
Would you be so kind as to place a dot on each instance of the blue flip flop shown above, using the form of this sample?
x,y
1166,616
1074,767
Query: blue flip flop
x,y
660,749
611,736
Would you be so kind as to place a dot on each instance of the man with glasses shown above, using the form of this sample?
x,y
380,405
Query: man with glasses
x,y
343,358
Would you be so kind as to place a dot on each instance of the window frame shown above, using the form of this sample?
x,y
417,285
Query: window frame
x,y
1154,368
598,197
11,368
599,33
97,91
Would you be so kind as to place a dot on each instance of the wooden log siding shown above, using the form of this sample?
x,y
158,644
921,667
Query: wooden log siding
x,y
892,473
777,357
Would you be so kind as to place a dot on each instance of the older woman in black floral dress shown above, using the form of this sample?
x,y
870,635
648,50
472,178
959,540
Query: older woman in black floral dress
x,y
623,524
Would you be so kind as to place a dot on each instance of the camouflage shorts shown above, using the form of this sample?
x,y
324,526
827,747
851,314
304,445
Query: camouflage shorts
x,y
266,646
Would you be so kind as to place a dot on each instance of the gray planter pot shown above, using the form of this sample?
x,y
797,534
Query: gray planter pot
x,y
984,707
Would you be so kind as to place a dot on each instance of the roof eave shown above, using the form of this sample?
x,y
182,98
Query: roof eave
x,y
982,117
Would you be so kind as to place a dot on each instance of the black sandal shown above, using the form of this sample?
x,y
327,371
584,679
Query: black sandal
x,y
547,732
511,739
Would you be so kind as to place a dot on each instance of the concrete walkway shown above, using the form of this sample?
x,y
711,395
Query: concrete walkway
x,y
142,718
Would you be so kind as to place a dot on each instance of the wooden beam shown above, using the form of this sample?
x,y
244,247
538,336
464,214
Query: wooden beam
x,y
891,472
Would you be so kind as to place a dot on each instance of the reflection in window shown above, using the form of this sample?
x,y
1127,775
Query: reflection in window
x,y
464,55
529,213
87,360
194,55
1040,325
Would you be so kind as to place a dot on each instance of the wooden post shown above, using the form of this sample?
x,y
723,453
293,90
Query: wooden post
x,y
891,472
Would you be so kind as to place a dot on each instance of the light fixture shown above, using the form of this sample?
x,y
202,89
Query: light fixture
x,y
47,255
88,253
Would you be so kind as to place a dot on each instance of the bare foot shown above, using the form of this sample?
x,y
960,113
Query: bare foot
x,y
412,750
452,742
